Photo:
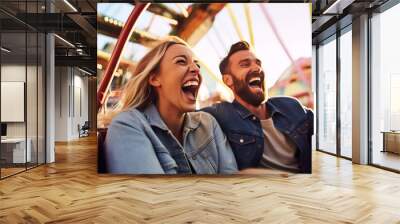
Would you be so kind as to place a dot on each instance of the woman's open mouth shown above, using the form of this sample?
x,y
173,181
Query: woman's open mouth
x,y
190,89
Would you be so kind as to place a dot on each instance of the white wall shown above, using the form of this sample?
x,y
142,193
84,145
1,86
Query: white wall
x,y
16,73
61,103
71,94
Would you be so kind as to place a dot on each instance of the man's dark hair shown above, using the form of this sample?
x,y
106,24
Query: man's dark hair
x,y
239,46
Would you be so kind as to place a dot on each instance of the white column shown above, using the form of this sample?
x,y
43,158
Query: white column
x,y
314,90
50,98
360,90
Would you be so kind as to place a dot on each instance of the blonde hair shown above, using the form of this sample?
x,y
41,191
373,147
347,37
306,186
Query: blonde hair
x,y
137,92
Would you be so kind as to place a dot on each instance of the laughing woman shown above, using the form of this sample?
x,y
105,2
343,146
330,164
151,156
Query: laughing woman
x,y
156,130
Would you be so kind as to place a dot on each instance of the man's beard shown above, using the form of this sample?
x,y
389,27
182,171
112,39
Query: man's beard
x,y
243,90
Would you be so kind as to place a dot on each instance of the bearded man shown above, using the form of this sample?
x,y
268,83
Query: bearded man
x,y
264,132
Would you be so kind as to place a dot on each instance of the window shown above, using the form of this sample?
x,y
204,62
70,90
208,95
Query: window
x,y
385,89
327,96
22,77
346,94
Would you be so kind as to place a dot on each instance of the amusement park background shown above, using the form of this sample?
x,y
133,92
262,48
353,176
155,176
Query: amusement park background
x,y
280,34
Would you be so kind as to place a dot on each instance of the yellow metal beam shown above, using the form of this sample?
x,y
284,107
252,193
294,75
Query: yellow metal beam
x,y
249,23
234,21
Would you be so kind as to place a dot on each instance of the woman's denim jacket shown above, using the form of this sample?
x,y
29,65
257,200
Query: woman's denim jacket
x,y
136,144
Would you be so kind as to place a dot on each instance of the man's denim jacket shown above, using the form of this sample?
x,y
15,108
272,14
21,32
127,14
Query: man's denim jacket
x,y
246,137
135,144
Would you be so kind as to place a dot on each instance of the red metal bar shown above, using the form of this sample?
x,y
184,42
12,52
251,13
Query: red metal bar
x,y
112,65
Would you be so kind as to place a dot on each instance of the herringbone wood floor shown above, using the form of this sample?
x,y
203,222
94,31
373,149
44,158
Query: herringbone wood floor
x,y
70,191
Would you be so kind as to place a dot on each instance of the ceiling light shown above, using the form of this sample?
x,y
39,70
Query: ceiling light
x,y
5,50
65,41
331,7
84,71
70,5
338,6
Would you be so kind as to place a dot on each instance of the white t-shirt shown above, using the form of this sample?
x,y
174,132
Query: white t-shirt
x,y
279,150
